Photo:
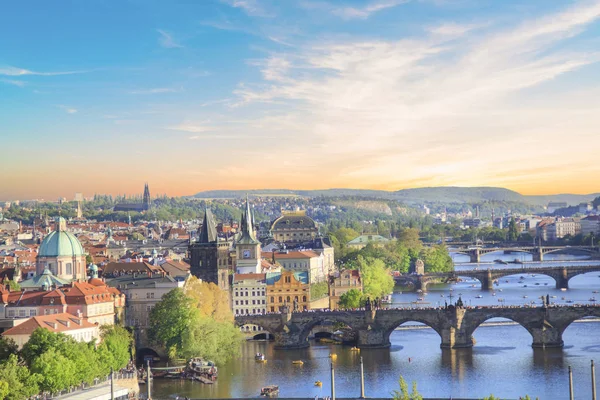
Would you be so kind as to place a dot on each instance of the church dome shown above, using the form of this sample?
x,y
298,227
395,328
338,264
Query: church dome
x,y
60,242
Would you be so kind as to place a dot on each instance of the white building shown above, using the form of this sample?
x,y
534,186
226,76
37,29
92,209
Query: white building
x,y
68,324
249,296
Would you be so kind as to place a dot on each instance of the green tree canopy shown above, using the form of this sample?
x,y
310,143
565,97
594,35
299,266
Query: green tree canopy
x,y
20,383
376,277
351,299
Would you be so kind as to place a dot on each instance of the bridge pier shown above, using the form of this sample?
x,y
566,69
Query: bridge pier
x,y
474,256
546,337
487,282
372,339
453,338
562,279
538,255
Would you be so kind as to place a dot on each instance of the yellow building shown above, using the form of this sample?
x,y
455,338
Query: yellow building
x,y
288,288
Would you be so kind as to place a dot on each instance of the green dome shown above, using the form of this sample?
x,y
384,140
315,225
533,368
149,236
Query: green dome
x,y
60,243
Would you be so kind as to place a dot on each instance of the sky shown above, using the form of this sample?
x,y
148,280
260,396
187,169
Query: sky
x,y
100,96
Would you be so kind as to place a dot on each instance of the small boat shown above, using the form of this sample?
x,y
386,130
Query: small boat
x,y
298,362
524,297
270,391
563,289
552,297
546,284
499,290
354,349
569,301
506,281
537,284
595,291
563,298
333,356
318,383
479,296
498,261
260,357
524,285
493,294
592,299
522,277
419,299
441,295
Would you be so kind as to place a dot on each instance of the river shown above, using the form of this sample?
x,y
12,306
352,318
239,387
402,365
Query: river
x,y
502,361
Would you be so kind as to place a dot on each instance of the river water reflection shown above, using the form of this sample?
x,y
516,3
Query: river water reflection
x,y
502,361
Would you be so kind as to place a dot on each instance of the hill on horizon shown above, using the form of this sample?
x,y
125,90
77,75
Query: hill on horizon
x,y
440,194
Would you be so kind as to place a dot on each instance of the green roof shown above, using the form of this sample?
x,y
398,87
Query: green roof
x,y
60,243
45,279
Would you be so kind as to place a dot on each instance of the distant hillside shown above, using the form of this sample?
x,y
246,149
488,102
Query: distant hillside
x,y
443,194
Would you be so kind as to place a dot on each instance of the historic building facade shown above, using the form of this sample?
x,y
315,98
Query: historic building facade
x,y
294,227
289,289
342,283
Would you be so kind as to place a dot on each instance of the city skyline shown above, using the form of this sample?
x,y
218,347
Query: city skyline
x,y
243,94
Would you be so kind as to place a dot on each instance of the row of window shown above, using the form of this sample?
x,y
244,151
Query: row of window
x,y
21,313
254,293
241,302
288,299
247,311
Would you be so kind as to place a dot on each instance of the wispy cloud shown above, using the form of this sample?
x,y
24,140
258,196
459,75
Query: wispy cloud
x,y
156,91
189,127
251,7
14,71
350,12
166,40
376,97
67,109
14,82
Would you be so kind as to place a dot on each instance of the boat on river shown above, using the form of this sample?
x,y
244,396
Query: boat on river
x,y
499,261
270,391
318,383
199,368
354,349
260,357
298,362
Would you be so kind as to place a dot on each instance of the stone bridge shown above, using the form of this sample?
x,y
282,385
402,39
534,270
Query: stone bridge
x,y
561,275
455,325
537,251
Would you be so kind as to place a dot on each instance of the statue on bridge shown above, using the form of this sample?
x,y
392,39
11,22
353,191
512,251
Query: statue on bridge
x,y
368,304
459,303
295,305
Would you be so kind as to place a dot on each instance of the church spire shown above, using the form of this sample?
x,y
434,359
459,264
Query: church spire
x,y
248,235
208,232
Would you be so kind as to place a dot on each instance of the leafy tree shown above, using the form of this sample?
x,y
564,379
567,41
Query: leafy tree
x,y
318,290
351,299
116,345
21,383
7,347
209,299
513,231
40,341
436,259
190,326
170,319
57,371
14,285
404,394
377,278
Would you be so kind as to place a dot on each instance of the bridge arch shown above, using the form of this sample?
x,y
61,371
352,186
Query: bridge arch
x,y
474,325
396,323
585,313
339,318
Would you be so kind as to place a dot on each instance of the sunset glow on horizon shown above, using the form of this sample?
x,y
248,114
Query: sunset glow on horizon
x,y
101,97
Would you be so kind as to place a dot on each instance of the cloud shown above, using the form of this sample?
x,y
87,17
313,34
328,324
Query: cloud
x,y
166,40
67,109
353,12
14,82
156,91
14,71
449,107
189,127
250,7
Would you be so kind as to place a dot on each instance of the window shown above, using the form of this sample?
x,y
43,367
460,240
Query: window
x,y
273,299
253,301
246,302
280,299
253,293
32,313
288,299
296,298
264,302
272,309
22,313
236,302
304,299
69,269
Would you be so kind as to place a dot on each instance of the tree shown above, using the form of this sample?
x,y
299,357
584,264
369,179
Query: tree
x,y
188,331
117,342
436,259
513,232
14,286
351,299
40,341
209,299
7,347
170,318
21,383
377,278
57,371
404,394
318,290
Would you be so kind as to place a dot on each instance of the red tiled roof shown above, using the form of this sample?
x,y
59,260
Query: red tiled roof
x,y
62,322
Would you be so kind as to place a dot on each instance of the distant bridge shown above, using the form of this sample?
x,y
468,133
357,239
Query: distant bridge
x,y
537,252
455,325
486,277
